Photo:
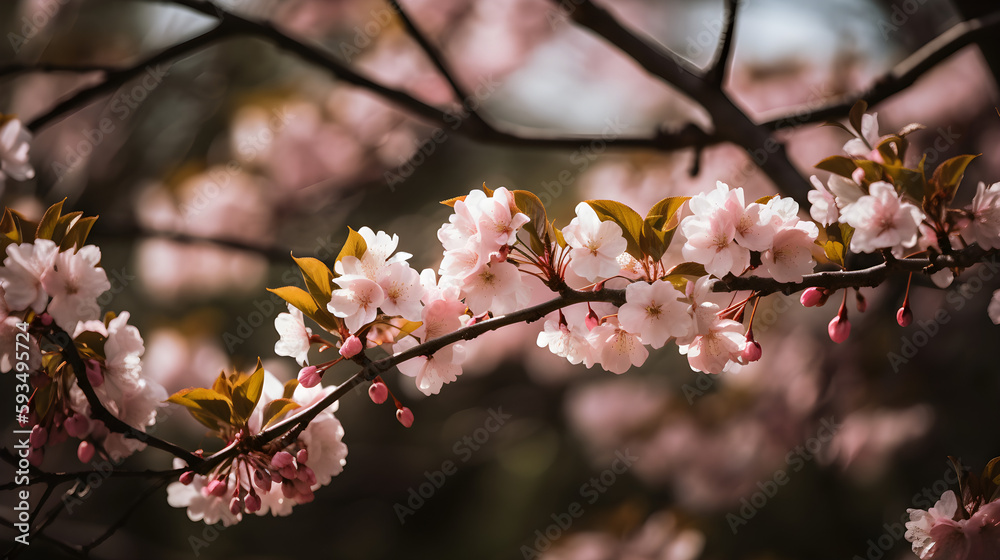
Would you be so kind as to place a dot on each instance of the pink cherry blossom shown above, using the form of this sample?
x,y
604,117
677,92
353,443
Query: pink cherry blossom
x,y
882,221
615,348
21,274
356,301
595,245
294,340
567,341
862,147
440,317
496,287
714,350
497,224
401,285
710,232
351,347
15,141
790,256
654,312
823,207
74,282
984,227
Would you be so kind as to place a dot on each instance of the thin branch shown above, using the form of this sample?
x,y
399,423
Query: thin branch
x,y
430,50
116,78
70,549
20,68
900,77
731,123
370,369
121,521
717,73
98,410
867,277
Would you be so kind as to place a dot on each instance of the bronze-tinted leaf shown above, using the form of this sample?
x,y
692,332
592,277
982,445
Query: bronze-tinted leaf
x,y
47,225
278,408
355,246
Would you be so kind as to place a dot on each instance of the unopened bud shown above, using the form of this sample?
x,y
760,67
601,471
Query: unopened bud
x,y
187,477
281,459
592,319
378,392
904,316
351,347
839,329
811,297
310,376
752,351
234,506
302,456
252,503
85,451
405,416
217,488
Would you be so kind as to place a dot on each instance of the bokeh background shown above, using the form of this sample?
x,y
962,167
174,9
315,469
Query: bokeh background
x,y
208,174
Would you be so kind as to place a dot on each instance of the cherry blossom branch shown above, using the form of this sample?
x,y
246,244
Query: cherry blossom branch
x,y
901,76
370,369
115,78
730,122
717,73
867,277
97,408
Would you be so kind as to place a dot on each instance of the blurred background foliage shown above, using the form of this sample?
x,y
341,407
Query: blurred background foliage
x,y
208,171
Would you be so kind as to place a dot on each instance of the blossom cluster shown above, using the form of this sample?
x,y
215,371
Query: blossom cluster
x,y
50,281
269,480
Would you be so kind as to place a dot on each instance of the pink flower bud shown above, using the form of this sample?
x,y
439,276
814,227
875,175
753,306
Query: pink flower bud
x,y
305,497
904,316
281,459
752,351
592,320
405,416
289,472
77,426
187,477
310,376
217,488
234,506
307,475
351,347
839,329
302,456
252,503
288,490
378,392
811,297
38,437
94,373
262,479
85,451
45,318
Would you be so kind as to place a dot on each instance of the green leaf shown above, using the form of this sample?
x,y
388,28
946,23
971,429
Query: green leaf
x,y
949,174
47,225
278,408
911,182
688,269
838,165
76,237
834,251
857,111
652,241
531,206
63,224
207,402
892,149
289,388
665,210
355,246
247,393
319,279
628,219
299,298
